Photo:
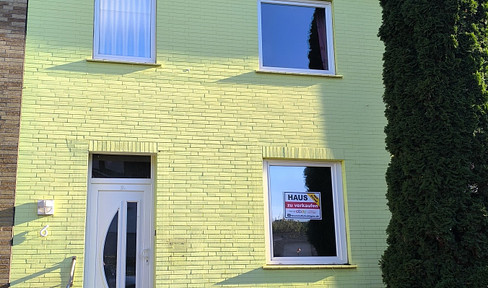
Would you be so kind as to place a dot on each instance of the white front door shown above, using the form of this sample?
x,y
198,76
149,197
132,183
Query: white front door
x,y
119,238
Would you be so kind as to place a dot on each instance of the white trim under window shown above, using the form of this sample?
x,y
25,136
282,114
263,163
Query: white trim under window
x,y
299,237
125,31
285,44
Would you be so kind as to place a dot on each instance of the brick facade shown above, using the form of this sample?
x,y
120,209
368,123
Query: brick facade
x,y
209,121
12,40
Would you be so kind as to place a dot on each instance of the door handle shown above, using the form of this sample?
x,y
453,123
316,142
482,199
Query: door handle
x,y
145,255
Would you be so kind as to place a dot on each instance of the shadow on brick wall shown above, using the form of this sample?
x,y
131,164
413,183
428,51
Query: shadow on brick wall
x,y
64,268
25,213
254,78
111,68
261,276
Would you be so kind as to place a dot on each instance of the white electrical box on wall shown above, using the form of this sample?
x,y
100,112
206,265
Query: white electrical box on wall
x,y
45,207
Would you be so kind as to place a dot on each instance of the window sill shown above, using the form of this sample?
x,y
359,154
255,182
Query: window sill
x,y
123,62
308,267
300,73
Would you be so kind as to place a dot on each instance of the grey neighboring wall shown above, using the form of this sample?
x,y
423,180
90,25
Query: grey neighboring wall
x,y
12,42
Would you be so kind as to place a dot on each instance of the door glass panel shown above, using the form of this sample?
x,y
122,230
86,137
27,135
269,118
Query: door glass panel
x,y
131,249
110,253
121,166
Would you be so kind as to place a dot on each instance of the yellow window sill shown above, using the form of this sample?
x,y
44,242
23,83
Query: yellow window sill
x,y
307,267
123,62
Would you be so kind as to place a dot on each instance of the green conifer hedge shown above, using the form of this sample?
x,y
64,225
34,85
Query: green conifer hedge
x,y
435,64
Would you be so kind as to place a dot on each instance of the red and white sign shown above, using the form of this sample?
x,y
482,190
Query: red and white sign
x,y
303,205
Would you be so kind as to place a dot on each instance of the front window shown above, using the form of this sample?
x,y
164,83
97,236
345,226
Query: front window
x,y
124,30
296,37
306,213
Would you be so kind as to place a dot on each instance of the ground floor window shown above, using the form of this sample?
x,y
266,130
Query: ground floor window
x,y
306,213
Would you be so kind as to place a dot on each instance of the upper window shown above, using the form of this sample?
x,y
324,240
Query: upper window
x,y
124,30
121,166
305,212
296,37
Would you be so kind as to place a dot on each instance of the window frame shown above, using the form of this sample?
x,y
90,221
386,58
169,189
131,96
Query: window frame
x,y
339,216
116,58
329,30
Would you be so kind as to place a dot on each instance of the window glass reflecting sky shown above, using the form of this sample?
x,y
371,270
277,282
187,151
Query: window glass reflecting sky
x,y
284,179
285,35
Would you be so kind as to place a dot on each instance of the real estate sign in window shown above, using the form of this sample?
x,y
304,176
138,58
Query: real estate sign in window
x,y
305,212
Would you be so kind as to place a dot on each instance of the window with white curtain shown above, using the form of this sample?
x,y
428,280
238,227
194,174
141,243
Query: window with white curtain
x,y
124,30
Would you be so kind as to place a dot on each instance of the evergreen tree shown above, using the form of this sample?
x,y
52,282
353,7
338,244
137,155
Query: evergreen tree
x,y
435,64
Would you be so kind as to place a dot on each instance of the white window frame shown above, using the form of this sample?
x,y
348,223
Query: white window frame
x,y
116,58
341,257
329,30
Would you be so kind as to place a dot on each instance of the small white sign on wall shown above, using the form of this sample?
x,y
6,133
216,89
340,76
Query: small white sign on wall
x,y
302,206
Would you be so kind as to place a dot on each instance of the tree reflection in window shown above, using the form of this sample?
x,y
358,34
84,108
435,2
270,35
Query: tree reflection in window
x,y
110,252
317,55
321,233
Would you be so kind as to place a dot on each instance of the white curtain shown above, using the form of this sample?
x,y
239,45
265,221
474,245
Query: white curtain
x,y
125,28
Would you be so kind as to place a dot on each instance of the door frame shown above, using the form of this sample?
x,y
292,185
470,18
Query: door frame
x,y
92,213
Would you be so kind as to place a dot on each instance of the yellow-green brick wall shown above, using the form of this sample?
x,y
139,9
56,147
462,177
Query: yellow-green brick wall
x,y
210,119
